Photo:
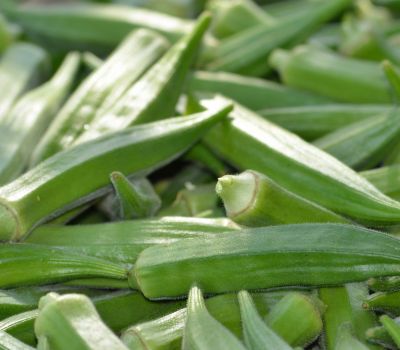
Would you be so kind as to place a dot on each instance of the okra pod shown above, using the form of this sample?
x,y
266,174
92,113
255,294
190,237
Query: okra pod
x,y
99,27
276,256
8,342
147,147
392,328
202,331
311,122
333,76
123,241
247,51
202,154
252,199
379,336
257,335
102,87
383,301
72,322
155,95
286,8
370,141
22,66
252,92
386,179
391,283
19,133
250,142
20,326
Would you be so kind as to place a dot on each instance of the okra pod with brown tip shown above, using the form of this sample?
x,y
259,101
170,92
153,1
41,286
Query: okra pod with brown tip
x,y
253,199
276,256
247,141
30,200
102,87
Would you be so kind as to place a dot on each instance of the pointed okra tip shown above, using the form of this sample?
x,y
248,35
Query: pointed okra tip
x,y
9,230
237,192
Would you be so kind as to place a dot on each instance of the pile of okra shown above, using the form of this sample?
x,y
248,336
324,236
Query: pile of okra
x,y
199,174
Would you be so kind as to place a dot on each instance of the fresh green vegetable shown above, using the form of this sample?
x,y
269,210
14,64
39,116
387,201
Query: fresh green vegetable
x,y
379,335
86,169
252,199
386,179
390,283
101,88
24,125
392,328
8,342
202,331
383,301
346,340
249,142
269,257
20,326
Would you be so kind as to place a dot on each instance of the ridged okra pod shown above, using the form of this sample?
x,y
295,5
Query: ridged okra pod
x,y
21,67
386,179
392,327
123,241
383,301
72,322
155,95
22,128
247,51
253,199
8,342
252,92
257,335
99,27
331,75
379,336
369,141
30,200
202,331
249,142
344,310
276,256
311,122
101,88
20,326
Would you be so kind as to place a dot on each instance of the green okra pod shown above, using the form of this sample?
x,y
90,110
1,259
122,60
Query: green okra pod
x,y
91,61
202,331
21,67
392,327
202,154
253,199
8,342
275,256
31,264
99,27
134,198
252,92
247,51
20,326
311,122
378,284
101,88
123,241
331,75
383,301
286,8
386,179
370,141
344,309
379,336
72,322
257,335
22,128
155,95
147,147
249,142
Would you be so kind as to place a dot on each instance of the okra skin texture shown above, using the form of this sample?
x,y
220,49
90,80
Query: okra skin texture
x,y
251,92
386,179
155,95
123,241
20,134
101,89
339,78
257,335
380,337
246,52
276,256
8,342
202,331
29,264
252,199
20,326
72,322
249,142
95,26
392,328
22,66
370,141
314,121
160,143
383,301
